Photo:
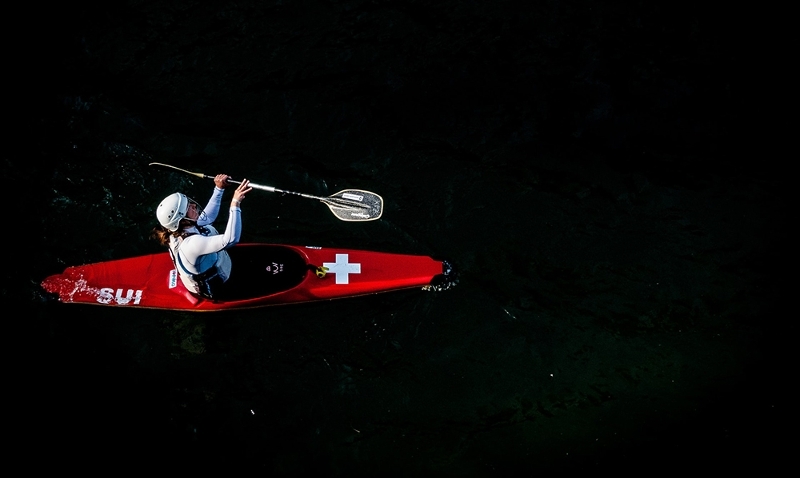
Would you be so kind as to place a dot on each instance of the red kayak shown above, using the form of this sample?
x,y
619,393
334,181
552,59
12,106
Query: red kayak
x,y
262,275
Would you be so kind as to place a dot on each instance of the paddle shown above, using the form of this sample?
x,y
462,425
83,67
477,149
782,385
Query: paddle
x,y
347,205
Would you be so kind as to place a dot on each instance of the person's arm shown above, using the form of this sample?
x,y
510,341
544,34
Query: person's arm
x,y
197,245
211,211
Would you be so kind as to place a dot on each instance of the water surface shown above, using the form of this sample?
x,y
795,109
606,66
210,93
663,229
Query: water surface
x,y
586,167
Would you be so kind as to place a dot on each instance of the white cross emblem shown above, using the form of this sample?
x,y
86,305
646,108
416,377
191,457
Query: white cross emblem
x,y
342,268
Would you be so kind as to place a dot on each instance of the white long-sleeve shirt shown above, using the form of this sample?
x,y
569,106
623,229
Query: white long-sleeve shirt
x,y
199,252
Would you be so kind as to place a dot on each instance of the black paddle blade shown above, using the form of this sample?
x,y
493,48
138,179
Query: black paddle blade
x,y
355,205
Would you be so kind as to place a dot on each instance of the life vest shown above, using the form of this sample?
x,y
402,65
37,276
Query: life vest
x,y
207,283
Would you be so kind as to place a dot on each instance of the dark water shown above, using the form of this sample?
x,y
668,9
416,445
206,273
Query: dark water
x,y
591,169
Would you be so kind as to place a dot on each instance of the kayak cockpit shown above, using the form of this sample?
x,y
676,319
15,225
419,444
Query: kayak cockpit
x,y
262,270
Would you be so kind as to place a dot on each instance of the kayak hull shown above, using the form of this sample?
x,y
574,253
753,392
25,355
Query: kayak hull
x,y
261,275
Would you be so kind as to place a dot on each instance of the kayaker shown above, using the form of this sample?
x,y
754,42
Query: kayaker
x,y
197,248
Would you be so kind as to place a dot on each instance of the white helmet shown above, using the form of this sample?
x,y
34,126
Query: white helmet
x,y
171,210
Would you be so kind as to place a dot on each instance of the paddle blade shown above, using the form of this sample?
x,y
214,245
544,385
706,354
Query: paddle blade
x,y
355,205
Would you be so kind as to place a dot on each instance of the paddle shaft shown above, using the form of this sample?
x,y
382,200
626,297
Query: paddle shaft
x,y
335,202
252,185
276,190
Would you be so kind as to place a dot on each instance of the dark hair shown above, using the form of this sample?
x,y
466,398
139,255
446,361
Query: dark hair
x,y
162,234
